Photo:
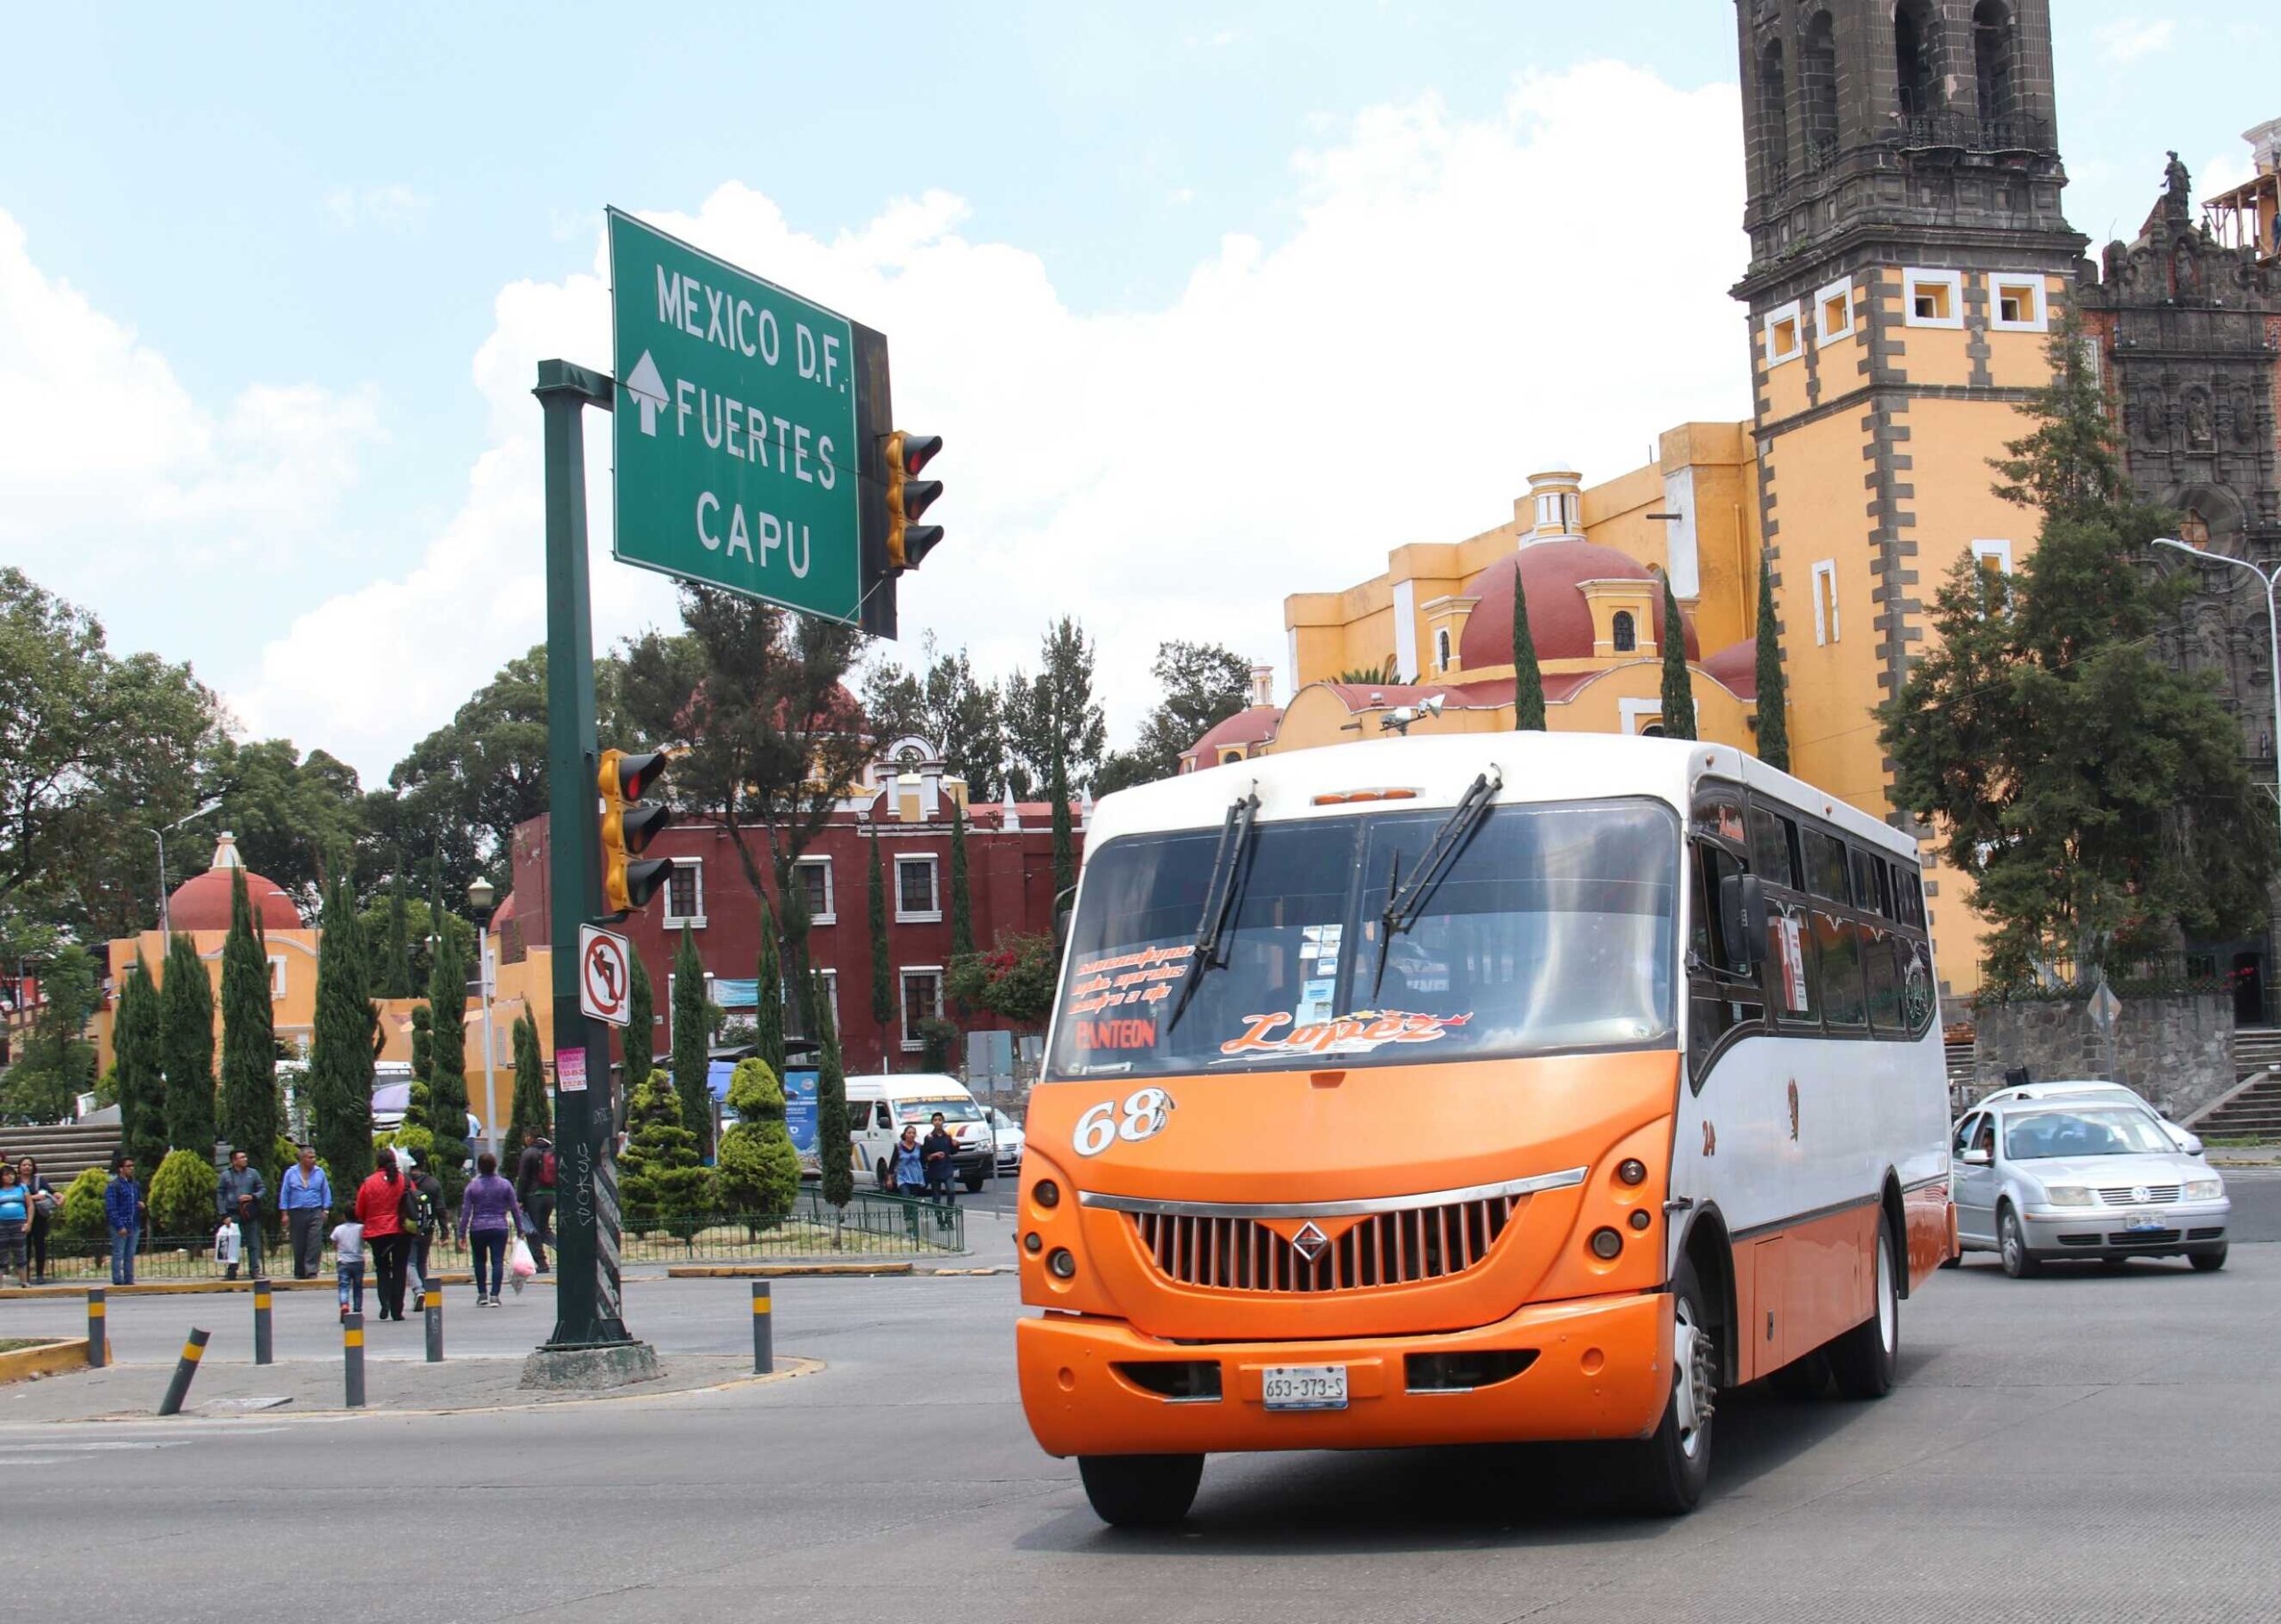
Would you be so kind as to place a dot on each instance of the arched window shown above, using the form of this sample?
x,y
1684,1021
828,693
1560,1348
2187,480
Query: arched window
x,y
1818,91
1442,648
1229,756
1623,633
1916,55
1991,60
1774,117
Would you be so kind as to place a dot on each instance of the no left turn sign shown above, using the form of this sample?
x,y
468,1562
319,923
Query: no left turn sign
x,y
605,975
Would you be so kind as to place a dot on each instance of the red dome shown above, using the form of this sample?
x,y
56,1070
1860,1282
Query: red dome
x,y
1560,620
1736,666
203,903
1246,728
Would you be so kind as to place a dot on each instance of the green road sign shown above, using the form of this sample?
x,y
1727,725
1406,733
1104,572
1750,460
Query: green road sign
x,y
734,431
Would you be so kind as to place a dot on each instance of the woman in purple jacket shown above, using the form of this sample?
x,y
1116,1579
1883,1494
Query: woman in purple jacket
x,y
488,1214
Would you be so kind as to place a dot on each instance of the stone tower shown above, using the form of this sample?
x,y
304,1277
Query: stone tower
x,y
1907,251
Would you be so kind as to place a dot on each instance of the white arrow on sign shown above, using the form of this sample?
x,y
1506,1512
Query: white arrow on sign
x,y
648,385
605,975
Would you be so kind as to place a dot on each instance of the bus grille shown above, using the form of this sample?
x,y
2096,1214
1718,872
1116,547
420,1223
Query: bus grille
x,y
1398,1248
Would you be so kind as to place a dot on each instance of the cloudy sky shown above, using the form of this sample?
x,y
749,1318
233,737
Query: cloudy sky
x,y
1212,304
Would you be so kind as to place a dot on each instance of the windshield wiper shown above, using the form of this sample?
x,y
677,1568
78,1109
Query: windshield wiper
x,y
1404,905
1219,897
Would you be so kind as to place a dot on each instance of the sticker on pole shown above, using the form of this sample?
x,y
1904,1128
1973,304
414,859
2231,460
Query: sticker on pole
x,y
570,1071
605,975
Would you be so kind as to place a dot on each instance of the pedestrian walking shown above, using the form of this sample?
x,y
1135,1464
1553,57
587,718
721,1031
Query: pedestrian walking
x,y
16,1221
348,1265
123,1216
909,1168
381,1206
238,1196
430,1195
305,1195
940,1151
535,1172
46,1202
488,1214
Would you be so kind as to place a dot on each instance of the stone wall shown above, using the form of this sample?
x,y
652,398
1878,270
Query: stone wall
x,y
2178,1051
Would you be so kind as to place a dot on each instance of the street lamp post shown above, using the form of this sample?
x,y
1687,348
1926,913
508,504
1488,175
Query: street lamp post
x,y
479,896
2266,579
166,915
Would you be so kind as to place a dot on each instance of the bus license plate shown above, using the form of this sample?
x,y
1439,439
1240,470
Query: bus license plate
x,y
1305,1386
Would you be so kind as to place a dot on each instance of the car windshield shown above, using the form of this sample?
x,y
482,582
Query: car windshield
x,y
2118,1131
1553,928
921,1111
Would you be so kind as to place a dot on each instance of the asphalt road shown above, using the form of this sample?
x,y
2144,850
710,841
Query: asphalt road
x,y
2082,1446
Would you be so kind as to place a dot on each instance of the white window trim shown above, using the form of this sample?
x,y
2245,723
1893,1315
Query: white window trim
x,y
277,978
935,883
2000,554
831,914
910,1039
1825,623
1638,712
695,921
1823,332
1911,280
1775,317
669,1005
2038,320
1442,648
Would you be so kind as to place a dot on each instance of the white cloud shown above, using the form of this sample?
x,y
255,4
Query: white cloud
x,y
1458,298
2126,39
392,207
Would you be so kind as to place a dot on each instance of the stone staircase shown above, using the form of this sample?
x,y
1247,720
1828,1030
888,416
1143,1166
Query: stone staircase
x,y
1962,1089
65,1150
2254,1113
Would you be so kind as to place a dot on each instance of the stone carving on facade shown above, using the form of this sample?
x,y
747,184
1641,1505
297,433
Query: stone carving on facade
x,y
2198,428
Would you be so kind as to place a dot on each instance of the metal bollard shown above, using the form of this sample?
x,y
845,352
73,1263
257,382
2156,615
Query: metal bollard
x,y
352,1355
431,1307
261,1350
98,1348
764,1338
185,1367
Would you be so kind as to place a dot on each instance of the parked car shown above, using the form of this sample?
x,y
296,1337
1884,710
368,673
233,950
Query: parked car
x,y
1011,1139
2079,1176
2184,1137
880,1107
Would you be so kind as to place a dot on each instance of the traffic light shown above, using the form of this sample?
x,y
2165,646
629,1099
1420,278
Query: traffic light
x,y
909,496
627,827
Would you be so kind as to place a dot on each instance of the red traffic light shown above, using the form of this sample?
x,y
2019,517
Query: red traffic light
x,y
625,776
917,451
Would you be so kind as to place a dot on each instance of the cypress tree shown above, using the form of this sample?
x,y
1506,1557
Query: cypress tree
x,y
142,1083
530,1111
1065,857
396,978
768,1014
640,1042
835,1145
882,987
447,1058
1773,705
340,1058
1678,687
662,1183
692,1044
1528,681
961,898
249,1116
186,1023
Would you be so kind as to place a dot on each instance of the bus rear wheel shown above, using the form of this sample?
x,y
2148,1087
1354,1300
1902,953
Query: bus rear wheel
x,y
1670,1468
1140,1491
1866,1359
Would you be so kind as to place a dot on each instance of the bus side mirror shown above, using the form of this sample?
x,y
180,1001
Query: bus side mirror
x,y
1063,906
1741,921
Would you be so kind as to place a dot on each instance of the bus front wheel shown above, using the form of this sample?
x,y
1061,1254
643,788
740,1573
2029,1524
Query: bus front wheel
x,y
1670,1468
1140,1491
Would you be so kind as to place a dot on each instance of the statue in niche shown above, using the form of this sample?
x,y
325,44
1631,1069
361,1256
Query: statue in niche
x,y
2186,271
2198,431
2154,414
2245,417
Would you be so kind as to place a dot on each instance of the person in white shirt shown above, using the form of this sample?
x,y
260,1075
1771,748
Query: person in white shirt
x,y
349,1257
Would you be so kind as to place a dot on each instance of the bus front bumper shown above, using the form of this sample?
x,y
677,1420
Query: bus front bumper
x,y
1595,1367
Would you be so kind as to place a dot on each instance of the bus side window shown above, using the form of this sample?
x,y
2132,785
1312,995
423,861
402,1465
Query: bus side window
x,y
1791,980
1884,979
1770,836
1865,878
1840,944
1723,1001
1826,866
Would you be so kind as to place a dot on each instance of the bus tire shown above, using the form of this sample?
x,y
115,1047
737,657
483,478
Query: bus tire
x,y
1866,1359
1670,1468
1140,1491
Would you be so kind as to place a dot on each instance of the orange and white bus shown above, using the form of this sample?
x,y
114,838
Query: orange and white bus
x,y
1474,1090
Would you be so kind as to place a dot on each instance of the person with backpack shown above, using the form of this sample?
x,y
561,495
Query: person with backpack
x,y
535,1172
382,1201
428,1193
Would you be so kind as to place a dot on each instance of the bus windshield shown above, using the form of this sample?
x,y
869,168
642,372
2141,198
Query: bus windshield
x,y
1554,928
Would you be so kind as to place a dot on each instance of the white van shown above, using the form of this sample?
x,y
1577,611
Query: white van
x,y
880,1107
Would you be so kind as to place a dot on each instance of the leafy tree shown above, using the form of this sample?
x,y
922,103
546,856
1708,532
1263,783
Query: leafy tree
x,y
1057,706
662,1183
57,1064
136,1043
396,942
835,1144
530,1111
2095,796
640,1042
80,1217
340,1059
1014,980
1528,680
961,717
1065,854
1678,684
759,1174
183,1193
423,1043
250,1114
962,896
882,974
1773,703
464,787
186,1027
448,1062
297,822
424,921
691,1046
768,998
1201,685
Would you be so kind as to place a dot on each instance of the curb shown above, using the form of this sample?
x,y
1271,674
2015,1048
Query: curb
x,y
49,1358
182,1288
967,1272
782,1271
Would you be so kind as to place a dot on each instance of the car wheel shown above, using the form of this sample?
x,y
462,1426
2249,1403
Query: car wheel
x,y
2209,1260
1670,1468
2011,1241
2114,1266
1866,1359
1140,1491
973,1182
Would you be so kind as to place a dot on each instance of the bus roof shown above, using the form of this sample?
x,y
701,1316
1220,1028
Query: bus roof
x,y
1535,767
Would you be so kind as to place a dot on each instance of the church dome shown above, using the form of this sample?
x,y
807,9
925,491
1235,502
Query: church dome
x,y
1736,666
1560,620
203,903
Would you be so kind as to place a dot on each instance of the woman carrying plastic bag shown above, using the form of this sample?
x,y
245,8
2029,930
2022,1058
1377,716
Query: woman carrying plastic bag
x,y
520,1265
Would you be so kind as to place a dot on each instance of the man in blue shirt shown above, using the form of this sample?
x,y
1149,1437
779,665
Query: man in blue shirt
x,y
123,1216
305,1195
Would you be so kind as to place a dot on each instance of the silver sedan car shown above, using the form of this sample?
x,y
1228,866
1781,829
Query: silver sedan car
x,y
2039,1180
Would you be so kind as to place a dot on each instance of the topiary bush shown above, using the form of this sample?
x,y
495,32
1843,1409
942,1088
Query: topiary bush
x,y
81,1216
183,1193
661,1183
759,1171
